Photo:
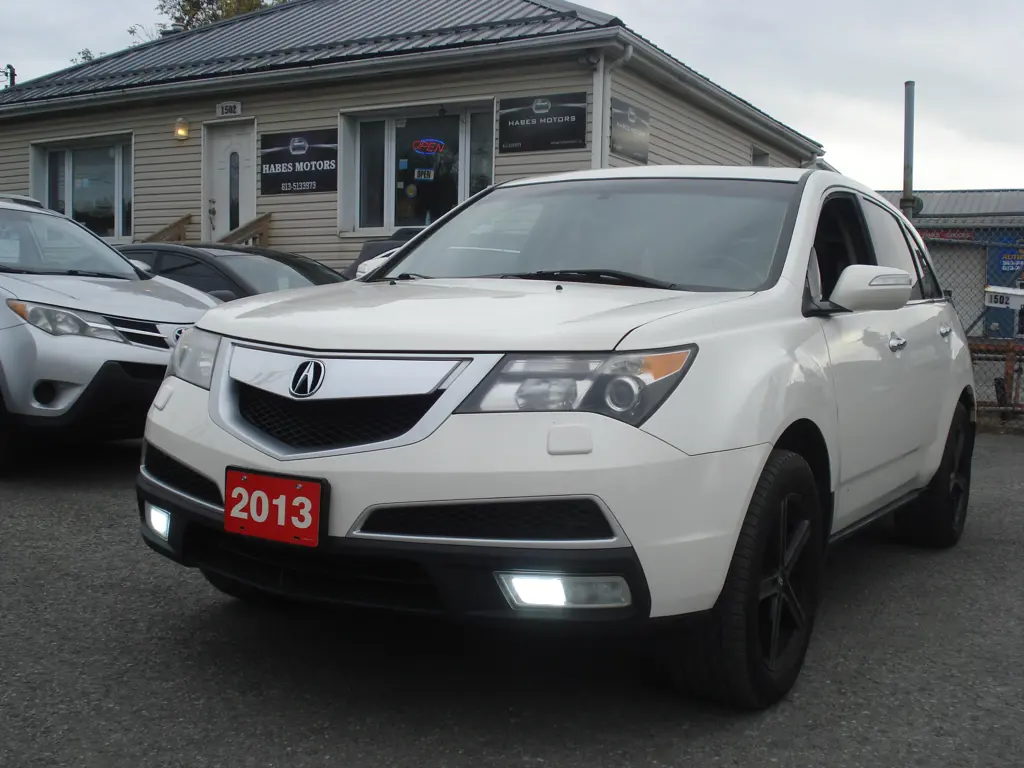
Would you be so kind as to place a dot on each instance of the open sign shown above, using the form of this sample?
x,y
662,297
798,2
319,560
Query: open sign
x,y
428,146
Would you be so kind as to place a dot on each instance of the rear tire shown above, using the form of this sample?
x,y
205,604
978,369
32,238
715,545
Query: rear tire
x,y
747,652
242,591
936,519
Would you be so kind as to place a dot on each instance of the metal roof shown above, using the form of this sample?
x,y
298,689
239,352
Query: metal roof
x,y
966,208
300,34
304,32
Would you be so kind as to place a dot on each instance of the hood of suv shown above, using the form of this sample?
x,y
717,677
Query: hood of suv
x,y
157,300
469,315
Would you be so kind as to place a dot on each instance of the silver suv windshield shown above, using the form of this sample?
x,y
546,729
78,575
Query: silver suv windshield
x,y
42,244
685,234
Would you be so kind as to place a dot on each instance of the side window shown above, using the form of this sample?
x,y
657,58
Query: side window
x,y
891,249
839,241
930,287
194,273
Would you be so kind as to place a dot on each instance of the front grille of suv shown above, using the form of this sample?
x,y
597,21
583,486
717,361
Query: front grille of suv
x,y
317,425
139,332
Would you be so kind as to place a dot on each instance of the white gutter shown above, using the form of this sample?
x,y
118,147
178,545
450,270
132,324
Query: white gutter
x,y
607,101
598,113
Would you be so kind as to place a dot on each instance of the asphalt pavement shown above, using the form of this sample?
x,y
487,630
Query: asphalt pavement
x,y
111,656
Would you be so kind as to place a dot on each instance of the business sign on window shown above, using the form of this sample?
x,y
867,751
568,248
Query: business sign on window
x,y
299,162
543,123
631,131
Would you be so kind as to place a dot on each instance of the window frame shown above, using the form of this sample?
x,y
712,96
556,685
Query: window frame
x,y
865,203
923,258
350,160
122,141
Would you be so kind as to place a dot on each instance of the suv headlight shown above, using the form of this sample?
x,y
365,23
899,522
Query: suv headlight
x,y
193,357
58,321
625,386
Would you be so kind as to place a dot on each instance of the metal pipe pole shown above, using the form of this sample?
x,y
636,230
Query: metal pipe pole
x,y
907,200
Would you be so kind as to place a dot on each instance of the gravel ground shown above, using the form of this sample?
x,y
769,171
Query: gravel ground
x,y
111,656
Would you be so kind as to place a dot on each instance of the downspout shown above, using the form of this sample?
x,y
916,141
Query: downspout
x,y
598,118
607,95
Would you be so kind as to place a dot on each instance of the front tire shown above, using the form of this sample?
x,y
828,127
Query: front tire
x,y
749,650
937,517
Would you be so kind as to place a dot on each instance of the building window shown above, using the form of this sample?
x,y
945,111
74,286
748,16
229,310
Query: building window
x,y
412,169
92,184
760,157
233,212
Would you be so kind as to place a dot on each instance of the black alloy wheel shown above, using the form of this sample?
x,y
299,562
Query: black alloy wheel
x,y
749,649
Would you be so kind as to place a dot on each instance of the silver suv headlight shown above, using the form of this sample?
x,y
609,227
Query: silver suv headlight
x,y
58,321
193,357
625,386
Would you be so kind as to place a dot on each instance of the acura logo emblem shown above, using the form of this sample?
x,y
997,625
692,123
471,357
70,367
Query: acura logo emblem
x,y
307,379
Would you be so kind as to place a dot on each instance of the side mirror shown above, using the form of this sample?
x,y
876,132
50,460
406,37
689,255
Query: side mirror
x,y
863,288
141,265
223,295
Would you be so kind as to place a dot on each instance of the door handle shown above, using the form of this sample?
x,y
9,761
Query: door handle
x,y
944,331
896,343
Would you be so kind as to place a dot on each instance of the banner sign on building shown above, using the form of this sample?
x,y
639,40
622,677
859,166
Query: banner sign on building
x,y
631,130
543,123
299,162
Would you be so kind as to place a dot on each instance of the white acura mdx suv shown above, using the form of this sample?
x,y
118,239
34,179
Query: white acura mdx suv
x,y
646,397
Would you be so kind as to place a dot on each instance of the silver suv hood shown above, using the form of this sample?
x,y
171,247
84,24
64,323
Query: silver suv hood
x,y
157,300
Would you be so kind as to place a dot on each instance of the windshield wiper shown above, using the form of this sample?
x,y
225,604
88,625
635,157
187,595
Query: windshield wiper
x,y
408,276
623,278
14,270
83,273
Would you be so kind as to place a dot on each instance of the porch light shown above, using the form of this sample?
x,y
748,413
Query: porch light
x,y
181,129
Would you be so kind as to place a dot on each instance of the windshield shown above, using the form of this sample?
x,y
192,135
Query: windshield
x,y
276,273
691,234
40,243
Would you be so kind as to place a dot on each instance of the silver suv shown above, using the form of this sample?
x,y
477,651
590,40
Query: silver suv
x,y
85,336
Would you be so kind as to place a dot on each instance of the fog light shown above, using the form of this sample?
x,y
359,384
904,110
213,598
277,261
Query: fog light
x,y
159,520
547,590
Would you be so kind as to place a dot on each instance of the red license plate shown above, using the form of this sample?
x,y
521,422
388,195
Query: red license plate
x,y
284,509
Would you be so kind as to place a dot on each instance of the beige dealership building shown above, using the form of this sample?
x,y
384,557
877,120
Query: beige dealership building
x,y
317,124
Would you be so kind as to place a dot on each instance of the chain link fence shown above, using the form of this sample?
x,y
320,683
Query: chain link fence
x,y
966,260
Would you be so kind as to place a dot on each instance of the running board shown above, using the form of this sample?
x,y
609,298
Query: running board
x,y
874,517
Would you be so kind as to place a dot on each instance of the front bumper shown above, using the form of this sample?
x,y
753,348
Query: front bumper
x,y
97,388
674,518
399,576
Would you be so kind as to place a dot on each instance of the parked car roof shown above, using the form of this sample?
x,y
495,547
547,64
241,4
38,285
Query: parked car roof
x,y
31,202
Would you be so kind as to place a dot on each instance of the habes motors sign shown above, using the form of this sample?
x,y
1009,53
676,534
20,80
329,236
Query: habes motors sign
x,y
299,162
543,123
630,131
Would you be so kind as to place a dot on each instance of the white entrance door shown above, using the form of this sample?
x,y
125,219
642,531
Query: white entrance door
x,y
230,178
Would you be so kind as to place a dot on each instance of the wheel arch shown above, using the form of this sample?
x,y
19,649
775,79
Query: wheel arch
x,y
804,438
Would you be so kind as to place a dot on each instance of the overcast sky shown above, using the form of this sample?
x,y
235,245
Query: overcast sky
x,y
833,73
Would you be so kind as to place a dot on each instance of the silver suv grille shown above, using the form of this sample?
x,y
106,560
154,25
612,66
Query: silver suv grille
x,y
139,332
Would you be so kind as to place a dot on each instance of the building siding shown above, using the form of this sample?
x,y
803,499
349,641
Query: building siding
x,y
167,181
684,133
